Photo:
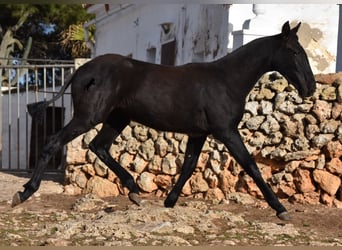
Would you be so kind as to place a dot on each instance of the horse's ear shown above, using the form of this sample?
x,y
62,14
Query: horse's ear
x,y
295,29
285,31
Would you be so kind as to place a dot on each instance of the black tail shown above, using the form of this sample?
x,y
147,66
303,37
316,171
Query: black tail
x,y
36,110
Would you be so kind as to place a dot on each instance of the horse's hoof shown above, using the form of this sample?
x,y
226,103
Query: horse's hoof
x,y
169,203
16,200
134,197
284,216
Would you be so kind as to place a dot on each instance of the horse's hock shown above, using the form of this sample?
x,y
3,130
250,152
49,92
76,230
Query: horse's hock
x,y
297,144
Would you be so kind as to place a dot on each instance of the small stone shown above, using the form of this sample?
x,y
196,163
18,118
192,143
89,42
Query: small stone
x,y
185,229
241,198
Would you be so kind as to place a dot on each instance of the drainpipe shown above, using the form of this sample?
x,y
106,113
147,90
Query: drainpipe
x,y
99,19
339,42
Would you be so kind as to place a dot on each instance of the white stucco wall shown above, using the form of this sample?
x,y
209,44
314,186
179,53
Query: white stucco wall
x,y
318,33
198,29
205,32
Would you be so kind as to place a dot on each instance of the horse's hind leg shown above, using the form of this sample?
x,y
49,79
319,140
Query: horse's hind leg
x,y
193,150
54,143
101,144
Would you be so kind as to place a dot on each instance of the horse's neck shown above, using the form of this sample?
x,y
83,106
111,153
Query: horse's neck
x,y
248,63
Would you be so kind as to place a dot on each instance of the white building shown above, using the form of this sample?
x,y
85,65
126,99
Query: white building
x,y
179,33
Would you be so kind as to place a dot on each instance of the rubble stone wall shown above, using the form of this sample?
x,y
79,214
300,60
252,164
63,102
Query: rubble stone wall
x,y
297,144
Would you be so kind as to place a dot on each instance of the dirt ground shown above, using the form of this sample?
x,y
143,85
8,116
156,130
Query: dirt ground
x,y
53,218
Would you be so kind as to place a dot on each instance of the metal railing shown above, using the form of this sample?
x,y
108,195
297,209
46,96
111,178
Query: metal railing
x,y
21,137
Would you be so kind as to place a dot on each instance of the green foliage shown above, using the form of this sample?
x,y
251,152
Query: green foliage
x,y
44,24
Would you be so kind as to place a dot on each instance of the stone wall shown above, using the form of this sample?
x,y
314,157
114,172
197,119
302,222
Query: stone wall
x,y
297,144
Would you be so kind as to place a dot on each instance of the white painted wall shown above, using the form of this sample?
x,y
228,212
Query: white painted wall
x,y
318,33
137,28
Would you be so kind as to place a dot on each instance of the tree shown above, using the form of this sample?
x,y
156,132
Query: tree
x,y
45,25
73,39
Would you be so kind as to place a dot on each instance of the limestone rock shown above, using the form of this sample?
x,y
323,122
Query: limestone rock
x,y
169,165
333,149
214,194
328,182
255,122
322,139
76,156
252,107
303,181
328,93
140,132
146,149
163,181
145,182
101,187
161,146
322,110
139,164
227,181
335,166
198,184
270,125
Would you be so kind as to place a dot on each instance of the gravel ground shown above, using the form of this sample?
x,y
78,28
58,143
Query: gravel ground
x,y
53,218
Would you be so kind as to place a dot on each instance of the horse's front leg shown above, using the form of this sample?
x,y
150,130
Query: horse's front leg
x,y
193,150
236,147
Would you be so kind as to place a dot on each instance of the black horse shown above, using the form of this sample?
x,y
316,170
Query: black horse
x,y
196,99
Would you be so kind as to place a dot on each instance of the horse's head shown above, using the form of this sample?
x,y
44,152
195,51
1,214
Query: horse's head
x,y
291,61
